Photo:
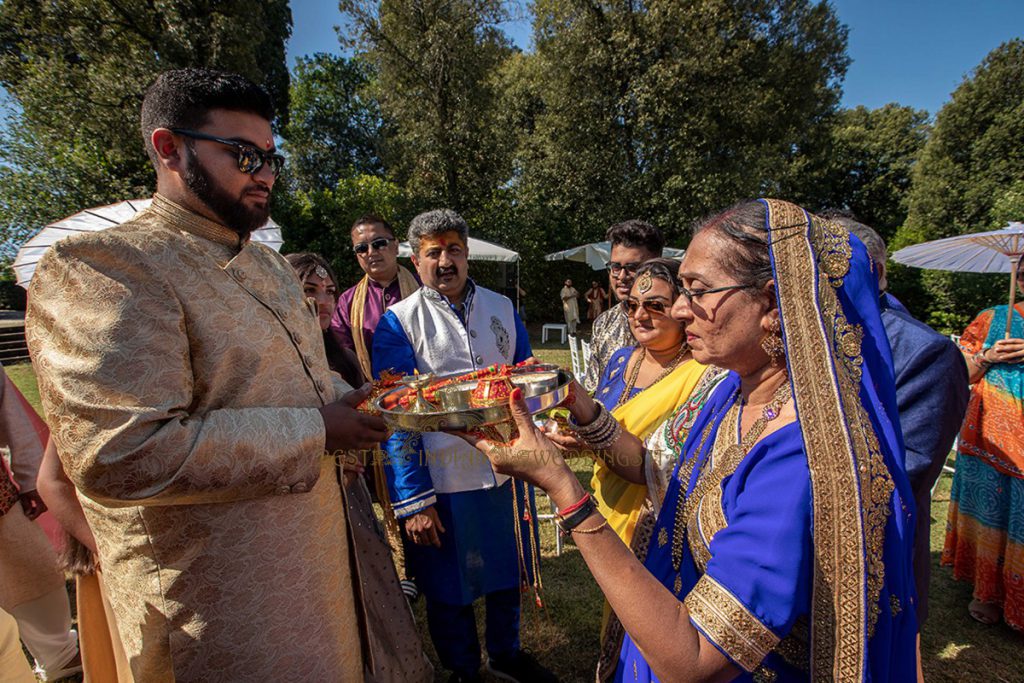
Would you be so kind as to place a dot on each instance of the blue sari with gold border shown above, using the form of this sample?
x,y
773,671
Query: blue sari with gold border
x,y
795,560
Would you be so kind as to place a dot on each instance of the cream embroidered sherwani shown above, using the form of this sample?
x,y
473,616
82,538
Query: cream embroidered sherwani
x,y
181,374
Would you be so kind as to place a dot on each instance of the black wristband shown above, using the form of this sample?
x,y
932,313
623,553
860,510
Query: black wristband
x,y
567,524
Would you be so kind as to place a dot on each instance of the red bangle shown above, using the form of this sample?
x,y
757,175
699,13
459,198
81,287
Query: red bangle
x,y
575,506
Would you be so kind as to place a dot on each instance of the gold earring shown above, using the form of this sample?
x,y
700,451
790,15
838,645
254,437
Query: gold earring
x,y
773,346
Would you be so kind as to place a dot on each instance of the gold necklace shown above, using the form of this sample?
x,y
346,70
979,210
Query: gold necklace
x,y
635,372
724,459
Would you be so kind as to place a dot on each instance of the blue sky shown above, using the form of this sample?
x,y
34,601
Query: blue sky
x,y
914,52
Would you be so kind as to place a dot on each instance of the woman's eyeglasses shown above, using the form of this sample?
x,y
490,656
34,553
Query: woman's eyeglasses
x,y
376,245
250,159
695,294
652,306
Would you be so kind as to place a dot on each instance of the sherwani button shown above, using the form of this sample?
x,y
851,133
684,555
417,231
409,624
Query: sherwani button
x,y
284,490
479,359
308,359
472,333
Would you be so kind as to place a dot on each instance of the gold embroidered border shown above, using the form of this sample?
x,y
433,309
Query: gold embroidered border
x,y
727,622
849,483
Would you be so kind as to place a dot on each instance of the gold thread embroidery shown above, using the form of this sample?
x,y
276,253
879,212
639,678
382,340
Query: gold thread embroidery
x,y
662,537
727,622
848,538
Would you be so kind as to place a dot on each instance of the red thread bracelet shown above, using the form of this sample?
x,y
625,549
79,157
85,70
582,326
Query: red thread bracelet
x,y
575,506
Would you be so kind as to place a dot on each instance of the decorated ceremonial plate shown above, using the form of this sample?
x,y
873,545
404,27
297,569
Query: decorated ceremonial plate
x,y
464,401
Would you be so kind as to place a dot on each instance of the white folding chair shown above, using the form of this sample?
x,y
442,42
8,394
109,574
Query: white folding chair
x,y
574,354
585,353
551,517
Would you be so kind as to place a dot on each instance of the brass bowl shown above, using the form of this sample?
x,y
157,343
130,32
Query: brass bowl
x,y
543,389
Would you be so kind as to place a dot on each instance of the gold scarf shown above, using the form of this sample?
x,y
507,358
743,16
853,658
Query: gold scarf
x,y
407,285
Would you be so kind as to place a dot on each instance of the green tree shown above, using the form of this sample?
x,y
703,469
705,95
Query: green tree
x,y
334,128
76,71
867,166
669,110
969,178
435,64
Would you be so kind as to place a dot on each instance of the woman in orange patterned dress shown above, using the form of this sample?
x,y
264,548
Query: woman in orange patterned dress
x,y
985,530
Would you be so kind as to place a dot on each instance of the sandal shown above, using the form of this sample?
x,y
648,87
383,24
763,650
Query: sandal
x,y
987,613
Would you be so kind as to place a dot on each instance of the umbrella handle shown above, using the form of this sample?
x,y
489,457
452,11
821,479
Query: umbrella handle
x,y
1014,266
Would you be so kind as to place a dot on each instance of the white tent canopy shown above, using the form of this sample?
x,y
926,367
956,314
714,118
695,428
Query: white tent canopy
x,y
597,254
101,218
479,250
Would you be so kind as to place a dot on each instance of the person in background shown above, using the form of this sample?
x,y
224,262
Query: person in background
x,y
103,656
595,300
32,588
644,388
632,243
193,409
384,284
394,642
13,664
931,396
457,514
985,529
320,286
570,306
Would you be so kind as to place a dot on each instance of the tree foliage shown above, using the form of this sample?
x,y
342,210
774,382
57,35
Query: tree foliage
x,y
867,166
76,71
334,127
435,62
670,110
970,178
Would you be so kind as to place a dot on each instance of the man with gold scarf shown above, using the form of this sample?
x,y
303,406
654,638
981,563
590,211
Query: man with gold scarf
x,y
190,400
384,284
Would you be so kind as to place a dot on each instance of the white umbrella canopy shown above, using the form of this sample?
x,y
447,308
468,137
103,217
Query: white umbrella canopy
x,y
597,254
101,218
980,252
995,251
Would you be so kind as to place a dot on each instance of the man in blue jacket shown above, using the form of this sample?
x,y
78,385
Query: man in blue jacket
x,y
931,395
457,514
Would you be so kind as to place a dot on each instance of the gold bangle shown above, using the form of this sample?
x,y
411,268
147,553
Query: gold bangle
x,y
597,528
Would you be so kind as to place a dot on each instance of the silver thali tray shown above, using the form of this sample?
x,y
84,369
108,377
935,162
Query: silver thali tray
x,y
544,387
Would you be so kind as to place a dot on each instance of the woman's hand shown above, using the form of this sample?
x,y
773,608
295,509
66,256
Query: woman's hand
x,y
1005,351
531,457
566,441
581,405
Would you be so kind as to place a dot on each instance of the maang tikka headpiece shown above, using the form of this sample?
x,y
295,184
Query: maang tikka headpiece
x,y
645,282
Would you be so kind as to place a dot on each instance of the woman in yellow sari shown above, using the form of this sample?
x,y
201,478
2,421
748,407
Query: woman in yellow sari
x,y
655,390
647,388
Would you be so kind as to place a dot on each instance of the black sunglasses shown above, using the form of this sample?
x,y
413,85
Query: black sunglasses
x,y
652,306
250,159
376,245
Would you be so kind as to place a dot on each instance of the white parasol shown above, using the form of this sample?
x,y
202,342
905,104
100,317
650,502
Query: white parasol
x,y
597,254
995,251
101,218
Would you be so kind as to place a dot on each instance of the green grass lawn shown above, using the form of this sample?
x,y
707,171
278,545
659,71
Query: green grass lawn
x,y
564,634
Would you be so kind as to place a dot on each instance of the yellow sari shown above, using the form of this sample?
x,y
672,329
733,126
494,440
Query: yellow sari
x,y
617,499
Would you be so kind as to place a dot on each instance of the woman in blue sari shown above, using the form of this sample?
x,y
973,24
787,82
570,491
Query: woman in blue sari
x,y
782,550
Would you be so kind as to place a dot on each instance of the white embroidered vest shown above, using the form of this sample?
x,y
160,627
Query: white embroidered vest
x,y
443,345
